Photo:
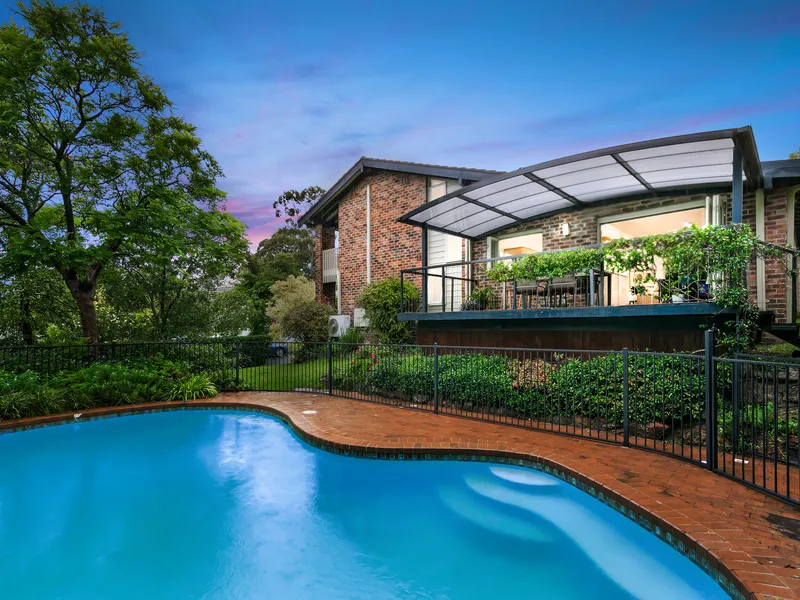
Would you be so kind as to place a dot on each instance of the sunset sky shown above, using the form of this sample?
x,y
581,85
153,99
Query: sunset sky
x,y
291,94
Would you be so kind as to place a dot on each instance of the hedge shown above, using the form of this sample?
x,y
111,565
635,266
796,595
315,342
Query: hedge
x,y
661,388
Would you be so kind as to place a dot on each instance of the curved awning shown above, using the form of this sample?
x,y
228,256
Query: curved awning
x,y
666,166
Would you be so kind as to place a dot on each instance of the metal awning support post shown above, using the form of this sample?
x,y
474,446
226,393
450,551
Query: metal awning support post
x,y
444,294
425,271
738,191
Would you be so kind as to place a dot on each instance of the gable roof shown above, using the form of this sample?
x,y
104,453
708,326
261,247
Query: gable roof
x,y
365,163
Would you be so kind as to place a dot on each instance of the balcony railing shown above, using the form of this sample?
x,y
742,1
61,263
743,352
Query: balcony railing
x,y
465,286
330,265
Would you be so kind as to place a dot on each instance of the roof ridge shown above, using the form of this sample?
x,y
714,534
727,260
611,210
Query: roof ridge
x,y
421,164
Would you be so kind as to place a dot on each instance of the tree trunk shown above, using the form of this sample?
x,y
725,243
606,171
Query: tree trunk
x,y
84,294
26,319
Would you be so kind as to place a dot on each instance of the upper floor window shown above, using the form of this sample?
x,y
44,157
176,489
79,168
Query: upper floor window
x,y
439,187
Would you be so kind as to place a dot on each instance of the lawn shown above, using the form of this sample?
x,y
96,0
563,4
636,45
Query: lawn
x,y
287,376
781,349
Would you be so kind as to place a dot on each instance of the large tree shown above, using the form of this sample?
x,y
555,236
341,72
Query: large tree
x,y
291,204
293,241
92,159
169,286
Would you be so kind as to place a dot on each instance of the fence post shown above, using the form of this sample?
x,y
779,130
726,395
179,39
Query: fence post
x,y
236,384
436,378
330,361
626,424
711,426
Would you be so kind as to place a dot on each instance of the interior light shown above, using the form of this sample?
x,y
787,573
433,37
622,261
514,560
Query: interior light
x,y
565,229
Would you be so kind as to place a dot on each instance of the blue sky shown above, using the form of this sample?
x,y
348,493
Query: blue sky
x,y
291,94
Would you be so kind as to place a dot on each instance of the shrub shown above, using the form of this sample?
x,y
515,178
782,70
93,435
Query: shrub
x,y
660,388
415,376
354,373
192,387
349,341
31,394
381,304
286,295
529,373
759,428
472,380
307,322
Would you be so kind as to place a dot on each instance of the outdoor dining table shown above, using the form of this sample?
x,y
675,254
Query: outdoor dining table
x,y
557,287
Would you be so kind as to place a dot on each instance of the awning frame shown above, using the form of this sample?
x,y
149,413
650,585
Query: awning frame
x,y
744,151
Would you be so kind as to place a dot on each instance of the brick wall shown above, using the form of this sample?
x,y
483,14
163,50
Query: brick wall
x,y
775,212
394,245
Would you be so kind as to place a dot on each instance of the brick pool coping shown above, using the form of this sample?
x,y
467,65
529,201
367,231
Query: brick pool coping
x,y
747,540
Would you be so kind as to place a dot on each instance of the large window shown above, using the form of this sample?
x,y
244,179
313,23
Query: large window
x,y
514,245
634,288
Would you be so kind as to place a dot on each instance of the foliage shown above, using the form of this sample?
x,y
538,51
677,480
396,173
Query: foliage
x,y
31,302
291,204
93,162
469,380
232,312
660,388
479,299
548,265
256,279
527,374
381,304
173,284
192,387
290,241
759,427
287,294
716,256
30,394
349,341
795,154
307,322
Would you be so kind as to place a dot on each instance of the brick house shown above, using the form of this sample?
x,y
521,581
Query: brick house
x,y
358,238
393,216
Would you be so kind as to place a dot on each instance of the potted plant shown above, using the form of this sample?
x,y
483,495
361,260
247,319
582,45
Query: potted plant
x,y
479,299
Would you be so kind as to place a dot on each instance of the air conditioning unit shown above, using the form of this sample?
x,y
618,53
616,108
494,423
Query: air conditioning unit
x,y
338,324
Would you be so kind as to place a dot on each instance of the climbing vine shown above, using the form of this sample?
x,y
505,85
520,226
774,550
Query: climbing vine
x,y
715,258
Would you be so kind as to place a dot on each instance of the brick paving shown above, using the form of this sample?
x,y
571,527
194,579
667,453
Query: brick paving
x,y
749,536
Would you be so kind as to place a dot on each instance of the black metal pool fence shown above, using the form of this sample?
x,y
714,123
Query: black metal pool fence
x,y
736,416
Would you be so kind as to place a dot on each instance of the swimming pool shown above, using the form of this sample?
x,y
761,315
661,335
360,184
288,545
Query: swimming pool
x,y
227,504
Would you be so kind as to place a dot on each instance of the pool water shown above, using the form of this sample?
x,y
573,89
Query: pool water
x,y
227,504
